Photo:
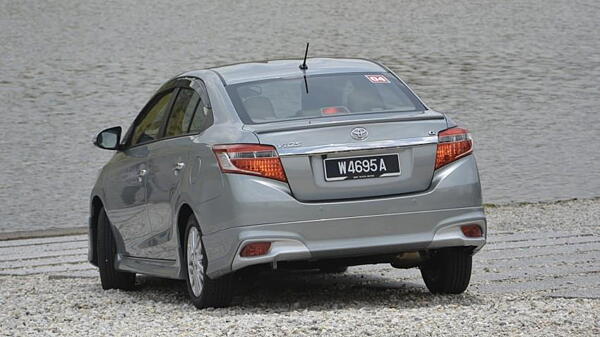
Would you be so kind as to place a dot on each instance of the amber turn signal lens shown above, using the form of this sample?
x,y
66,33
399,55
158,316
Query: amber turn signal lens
x,y
453,144
472,231
255,249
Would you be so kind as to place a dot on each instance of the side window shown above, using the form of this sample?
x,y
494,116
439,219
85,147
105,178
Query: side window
x,y
148,129
201,117
182,112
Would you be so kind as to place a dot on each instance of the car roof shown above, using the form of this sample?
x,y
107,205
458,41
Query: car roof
x,y
253,71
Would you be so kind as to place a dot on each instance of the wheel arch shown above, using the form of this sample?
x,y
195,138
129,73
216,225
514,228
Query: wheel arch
x,y
184,212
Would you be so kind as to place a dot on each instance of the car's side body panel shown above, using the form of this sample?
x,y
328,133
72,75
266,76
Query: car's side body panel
x,y
125,200
164,182
144,210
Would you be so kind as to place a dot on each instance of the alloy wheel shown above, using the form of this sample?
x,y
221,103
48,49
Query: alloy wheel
x,y
195,259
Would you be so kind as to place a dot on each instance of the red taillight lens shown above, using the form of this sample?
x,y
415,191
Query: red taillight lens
x,y
453,143
255,249
260,160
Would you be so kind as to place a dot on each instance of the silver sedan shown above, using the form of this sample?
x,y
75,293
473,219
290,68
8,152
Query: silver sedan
x,y
272,165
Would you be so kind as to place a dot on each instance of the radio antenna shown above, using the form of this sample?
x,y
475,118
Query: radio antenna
x,y
303,66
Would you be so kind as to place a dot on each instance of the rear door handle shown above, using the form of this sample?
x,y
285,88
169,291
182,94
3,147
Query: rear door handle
x,y
141,174
178,167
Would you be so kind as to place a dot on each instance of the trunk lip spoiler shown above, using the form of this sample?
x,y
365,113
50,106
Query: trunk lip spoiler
x,y
314,123
334,148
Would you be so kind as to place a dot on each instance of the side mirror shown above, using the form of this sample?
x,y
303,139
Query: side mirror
x,y
109,139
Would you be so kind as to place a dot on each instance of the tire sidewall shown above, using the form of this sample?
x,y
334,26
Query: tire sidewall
x,y
448,272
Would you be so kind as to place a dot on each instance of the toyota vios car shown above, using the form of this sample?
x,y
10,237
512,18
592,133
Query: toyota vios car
x,y
271,164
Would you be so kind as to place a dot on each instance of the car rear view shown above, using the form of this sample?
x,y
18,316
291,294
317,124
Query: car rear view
x,y
321,164
349,167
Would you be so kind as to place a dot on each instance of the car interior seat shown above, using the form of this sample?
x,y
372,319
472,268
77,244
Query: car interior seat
x,y
363,99
259,109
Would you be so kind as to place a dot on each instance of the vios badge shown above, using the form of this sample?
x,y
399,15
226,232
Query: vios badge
x,y
359,133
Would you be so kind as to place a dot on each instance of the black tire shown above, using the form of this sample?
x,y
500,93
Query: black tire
x,y
448,271
106,249
333,269
215,293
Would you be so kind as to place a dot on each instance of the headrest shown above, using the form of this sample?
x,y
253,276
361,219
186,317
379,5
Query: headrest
x,y
259,109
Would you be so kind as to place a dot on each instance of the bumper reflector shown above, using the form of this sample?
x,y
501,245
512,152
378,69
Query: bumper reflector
x,y
255,249
472,231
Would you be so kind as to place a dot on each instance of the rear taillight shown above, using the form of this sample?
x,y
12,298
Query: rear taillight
x,y
254,159
453,143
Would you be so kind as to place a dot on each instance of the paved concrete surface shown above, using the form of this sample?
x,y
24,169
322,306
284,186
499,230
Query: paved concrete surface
x,y
553,263
43,233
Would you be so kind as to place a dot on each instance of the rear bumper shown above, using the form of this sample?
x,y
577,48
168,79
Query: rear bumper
x,y
325,230
353,237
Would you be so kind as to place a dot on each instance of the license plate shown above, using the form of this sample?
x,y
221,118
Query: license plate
x,y
362,167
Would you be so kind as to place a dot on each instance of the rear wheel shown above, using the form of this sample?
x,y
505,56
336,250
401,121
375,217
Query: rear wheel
x,y
204,291
448,271
106,247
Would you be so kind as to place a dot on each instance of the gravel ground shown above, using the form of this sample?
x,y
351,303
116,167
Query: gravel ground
x,y
536,277
39,305
575,214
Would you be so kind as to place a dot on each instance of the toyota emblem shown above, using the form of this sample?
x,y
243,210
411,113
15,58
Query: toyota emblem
x,y
359,133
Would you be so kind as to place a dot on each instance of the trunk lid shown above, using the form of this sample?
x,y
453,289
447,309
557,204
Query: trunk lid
x,y
305,145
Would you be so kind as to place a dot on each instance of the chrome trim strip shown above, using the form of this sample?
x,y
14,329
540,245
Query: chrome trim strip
x,y
333,148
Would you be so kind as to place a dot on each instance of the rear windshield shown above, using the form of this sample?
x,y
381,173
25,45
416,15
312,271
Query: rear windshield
x,y
316,96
